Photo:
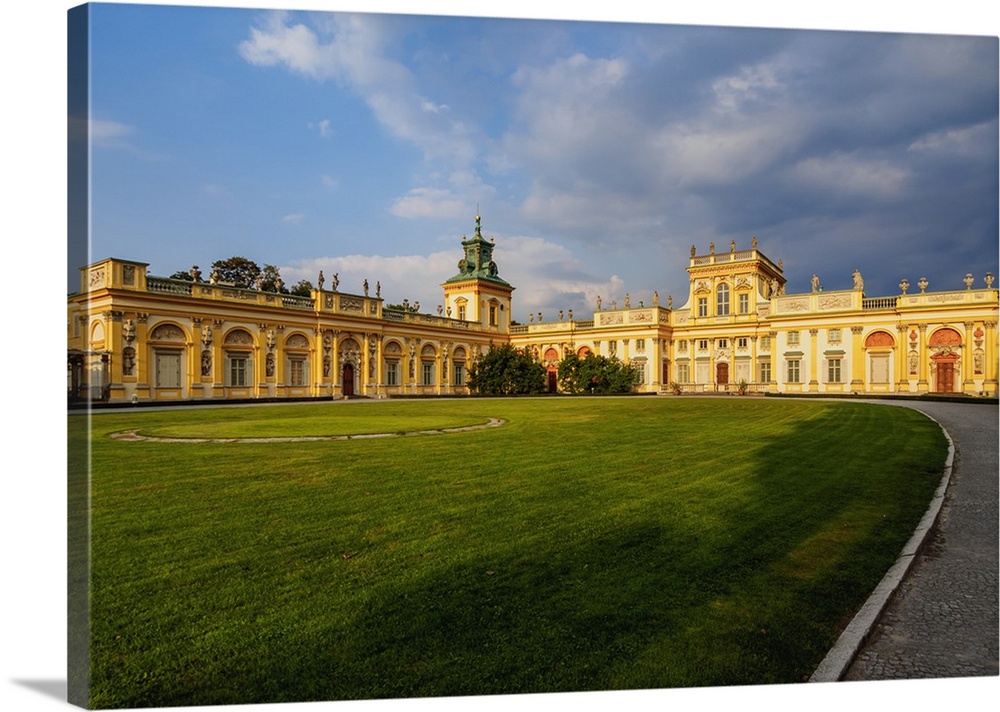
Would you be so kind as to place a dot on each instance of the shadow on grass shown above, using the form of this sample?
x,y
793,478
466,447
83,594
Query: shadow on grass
x,y
750,586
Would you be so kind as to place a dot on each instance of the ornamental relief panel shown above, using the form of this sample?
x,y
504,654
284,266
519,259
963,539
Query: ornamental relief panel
x,y
839,301
640,317
879,338
799,304
611,318
351,304
238,337
167,332
946,336
297,341
350,351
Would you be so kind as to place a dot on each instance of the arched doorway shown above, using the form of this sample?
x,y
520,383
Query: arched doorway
x,y
945,344
551,361
944,372
348,380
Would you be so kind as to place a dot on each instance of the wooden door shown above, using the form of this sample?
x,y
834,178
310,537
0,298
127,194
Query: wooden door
x,y
722,374
348,387
945,376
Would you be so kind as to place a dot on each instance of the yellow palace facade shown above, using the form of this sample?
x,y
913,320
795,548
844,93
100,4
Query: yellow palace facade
x,y
135,337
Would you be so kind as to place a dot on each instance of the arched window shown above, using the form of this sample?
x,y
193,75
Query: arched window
x,y
722,300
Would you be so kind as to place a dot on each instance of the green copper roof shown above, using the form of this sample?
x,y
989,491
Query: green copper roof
x,y
478,260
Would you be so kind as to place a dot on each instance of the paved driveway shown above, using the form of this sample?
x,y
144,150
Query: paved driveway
x,y
943,620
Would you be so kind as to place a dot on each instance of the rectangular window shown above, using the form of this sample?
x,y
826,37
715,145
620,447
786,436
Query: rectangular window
x,y
723,343
392,373
702,306
703,344
833,335
459,373
640,344
765,343
793,370
722,300
461,312
297,372
683,373
493,315
793,338
427,373
744,304
765,372
833,370
238,370
168,369
682,345
612,347
742,343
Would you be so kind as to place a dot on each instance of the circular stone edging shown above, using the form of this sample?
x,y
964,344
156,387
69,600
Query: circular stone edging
x,y
134,436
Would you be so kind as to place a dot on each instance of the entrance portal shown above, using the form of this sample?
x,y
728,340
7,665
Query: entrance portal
x,y
722,374
348,381
945,372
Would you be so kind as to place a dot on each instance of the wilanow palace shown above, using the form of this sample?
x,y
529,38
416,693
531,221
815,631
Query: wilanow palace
x,y
137,338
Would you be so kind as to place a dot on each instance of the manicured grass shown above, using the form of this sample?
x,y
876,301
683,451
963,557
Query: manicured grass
x,y
589,543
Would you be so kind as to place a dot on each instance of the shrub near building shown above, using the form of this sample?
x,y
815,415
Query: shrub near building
x,y
504,371
595,374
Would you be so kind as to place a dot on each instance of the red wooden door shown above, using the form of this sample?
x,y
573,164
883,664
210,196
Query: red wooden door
x,y
945,376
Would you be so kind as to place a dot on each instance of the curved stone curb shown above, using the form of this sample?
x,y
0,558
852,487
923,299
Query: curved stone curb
x,y
133,435
856,634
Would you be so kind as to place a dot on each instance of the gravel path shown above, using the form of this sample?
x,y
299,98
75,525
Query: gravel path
x,y
943,619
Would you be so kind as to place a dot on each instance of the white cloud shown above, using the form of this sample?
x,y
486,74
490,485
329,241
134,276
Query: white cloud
x,y
850,174
430,203
324,128
293,218
750,84
965,142
108,132
351,49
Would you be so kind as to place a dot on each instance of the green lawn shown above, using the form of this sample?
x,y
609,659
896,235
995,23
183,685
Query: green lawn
x,y
587,544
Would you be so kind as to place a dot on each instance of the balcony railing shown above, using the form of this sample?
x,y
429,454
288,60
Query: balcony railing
x,y
878,303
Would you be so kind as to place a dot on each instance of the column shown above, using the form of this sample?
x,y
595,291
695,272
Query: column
x,y
773,336
218,361
857,359
968,353
112,344
142,356
991,364
813,358
924,356
902,368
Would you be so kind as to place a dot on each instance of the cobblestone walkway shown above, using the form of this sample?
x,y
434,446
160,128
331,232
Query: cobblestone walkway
x,y
943,620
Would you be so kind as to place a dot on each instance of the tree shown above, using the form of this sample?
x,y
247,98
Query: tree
x,y
595,374
237,270
303,289
504,371
270,280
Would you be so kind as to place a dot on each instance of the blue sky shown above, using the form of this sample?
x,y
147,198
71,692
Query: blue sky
x,y
597,152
